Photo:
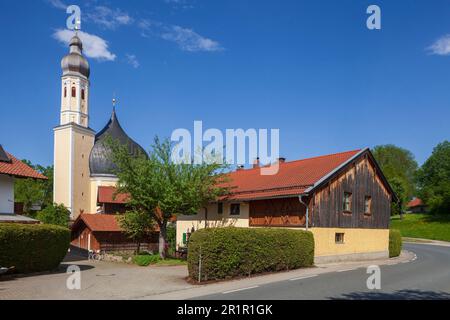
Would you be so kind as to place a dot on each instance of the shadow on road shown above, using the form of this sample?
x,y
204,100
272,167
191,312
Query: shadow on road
x,y
397,295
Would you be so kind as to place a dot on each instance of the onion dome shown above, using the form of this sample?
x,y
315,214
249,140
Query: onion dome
x,y
100,159
75,62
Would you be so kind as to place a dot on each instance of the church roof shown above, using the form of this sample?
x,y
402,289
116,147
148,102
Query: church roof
x,y
75,62
100,159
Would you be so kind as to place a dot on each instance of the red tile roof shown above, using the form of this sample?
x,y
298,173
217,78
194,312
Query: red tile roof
x,y
293,178
99,222
19,169
107,195
415,203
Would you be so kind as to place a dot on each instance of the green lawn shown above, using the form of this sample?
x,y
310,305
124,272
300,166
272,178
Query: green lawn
x,y
434,227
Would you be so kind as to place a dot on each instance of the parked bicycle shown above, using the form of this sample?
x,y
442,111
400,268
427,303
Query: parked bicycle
x,y
96,255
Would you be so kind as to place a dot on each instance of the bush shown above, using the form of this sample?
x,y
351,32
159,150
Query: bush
x,y
395,243
232,252
144,260
33,248
54,214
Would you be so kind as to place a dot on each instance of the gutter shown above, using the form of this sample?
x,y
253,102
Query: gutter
x,y
300,198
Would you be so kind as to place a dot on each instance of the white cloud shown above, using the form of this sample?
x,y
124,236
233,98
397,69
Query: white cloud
x,y
108,18
58,4
441,46
93,46
186,39
132,60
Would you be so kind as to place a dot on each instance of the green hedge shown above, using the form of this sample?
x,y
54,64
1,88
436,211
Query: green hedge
x,y
395,243
33,248
233,252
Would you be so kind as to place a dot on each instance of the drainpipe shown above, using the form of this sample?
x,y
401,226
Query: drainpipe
x,y
300,198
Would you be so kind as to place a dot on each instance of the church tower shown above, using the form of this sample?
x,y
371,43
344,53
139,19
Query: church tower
x,y
73,139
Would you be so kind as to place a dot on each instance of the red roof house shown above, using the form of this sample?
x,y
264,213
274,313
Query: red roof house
x,y
416,205
10,169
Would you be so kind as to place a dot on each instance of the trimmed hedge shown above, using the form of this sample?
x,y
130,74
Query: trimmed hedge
x,y
395,243
233,252
33,248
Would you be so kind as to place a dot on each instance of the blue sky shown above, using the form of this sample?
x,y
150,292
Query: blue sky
x,y
310,68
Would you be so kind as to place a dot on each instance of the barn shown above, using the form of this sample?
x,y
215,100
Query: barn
x,y
343,199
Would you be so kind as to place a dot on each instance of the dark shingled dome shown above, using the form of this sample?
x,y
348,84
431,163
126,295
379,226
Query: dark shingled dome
x,y
100,163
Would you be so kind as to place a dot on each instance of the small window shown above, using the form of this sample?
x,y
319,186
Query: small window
x,y
339,238
220,207
235,209
65,92
74,92
347,203
368,205
82,94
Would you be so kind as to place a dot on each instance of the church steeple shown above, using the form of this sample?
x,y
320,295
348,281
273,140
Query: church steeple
x,y
73,137
75,85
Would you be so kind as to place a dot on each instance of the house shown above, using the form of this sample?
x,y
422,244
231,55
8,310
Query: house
x,y
343,199
102,232
11,169
416,205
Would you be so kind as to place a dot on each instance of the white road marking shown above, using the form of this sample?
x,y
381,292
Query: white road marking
x,y
248,288
346,270
304,277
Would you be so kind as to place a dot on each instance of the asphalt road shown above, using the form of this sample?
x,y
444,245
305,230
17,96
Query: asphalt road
x,y
427,277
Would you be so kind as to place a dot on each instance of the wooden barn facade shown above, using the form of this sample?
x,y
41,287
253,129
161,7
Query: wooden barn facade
x,y
344,197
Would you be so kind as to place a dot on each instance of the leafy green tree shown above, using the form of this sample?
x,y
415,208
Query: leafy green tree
x,y
31,191
434,179
163,188
400,169
54,214
137,225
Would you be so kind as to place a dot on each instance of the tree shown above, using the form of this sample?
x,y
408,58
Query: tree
x,y
162,188
434,179
54,214
400,168
32,191
137,225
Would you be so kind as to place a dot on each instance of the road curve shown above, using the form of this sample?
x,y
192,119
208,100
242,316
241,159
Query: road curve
x,y
427,277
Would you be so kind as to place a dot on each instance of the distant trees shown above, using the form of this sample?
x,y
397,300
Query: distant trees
x,y
434,179
400,168
31,192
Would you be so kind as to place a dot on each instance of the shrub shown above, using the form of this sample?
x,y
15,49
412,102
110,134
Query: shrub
x,y
232,252
395,243
33,248
54,214
145,259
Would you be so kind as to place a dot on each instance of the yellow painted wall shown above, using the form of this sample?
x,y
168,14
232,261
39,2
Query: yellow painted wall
x,y
61,162
96,182
185,223
83,144
355,241
71,173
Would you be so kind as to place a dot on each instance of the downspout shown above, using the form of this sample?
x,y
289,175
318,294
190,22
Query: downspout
x,y
300,198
